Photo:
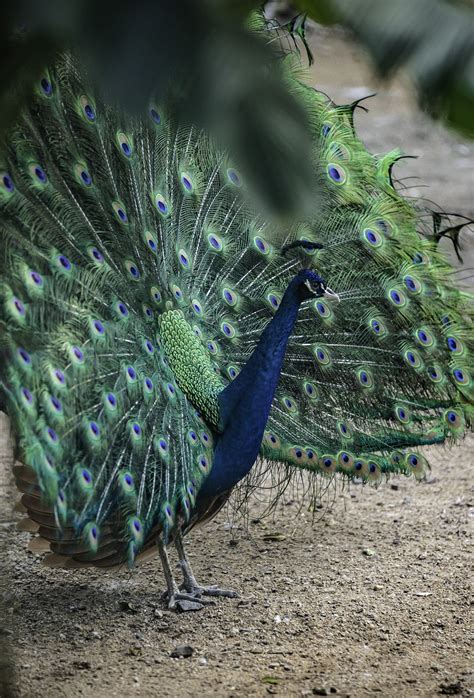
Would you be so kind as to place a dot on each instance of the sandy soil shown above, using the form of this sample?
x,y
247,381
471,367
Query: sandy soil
x,y
373,597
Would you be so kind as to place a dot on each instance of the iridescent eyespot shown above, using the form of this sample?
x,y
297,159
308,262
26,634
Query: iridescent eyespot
x,y
344,430
328,463
203,463
192,436
372,237
325,129
96,255
46,86
162,445
205,438
274,300
184,259
359,466
170,390
121,309
412,284
322,355
131,374
150,240
272,440
120,212
38,174
261,245
424,337
97,328
402,414
132,269
453,419
187,182
378,327
227,329
397,297
461,376
421,258
290,404
233,177
345,460
111,401
148,312
455,345
7,182
233,371
56,404
148,385
412,358
25,358
297,453
135,430
76,354
18,307
124,144
155,293
336,173
177,292
155,115
88,109
63,262
215,242
310,390
36,278
435,373
364,376
212,347
94,430
323,309
84,478
148,346
229,296
85,178
162,205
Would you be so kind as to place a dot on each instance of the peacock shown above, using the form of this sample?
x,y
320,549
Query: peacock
x,y
161,337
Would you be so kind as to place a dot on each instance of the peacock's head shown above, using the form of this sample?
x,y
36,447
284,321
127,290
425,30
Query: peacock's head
x,y
311,285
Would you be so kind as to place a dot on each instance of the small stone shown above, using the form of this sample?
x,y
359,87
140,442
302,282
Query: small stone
x,y
202,661
368,552
451,689
320,691
182,651
82,664
393,486
127,607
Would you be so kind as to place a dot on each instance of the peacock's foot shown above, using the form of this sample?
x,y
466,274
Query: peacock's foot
x,y
180,601
197,591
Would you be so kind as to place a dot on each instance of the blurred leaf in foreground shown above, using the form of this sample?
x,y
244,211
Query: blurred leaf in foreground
x,y
223,76
432,39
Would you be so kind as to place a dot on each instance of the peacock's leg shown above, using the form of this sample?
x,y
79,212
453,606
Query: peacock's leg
x,y
190,584
177,600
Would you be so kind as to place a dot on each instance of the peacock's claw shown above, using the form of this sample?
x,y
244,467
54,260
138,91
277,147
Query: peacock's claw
x,y
187,602
198,591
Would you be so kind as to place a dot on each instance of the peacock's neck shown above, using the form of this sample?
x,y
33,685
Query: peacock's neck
x,y
245,404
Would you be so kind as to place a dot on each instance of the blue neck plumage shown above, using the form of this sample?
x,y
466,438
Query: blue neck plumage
x,y
246,402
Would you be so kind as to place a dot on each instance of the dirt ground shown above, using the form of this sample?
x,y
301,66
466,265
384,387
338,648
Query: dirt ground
x,y
373,597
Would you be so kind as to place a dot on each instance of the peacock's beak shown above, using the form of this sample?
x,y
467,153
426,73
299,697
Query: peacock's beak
x,y
331,295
